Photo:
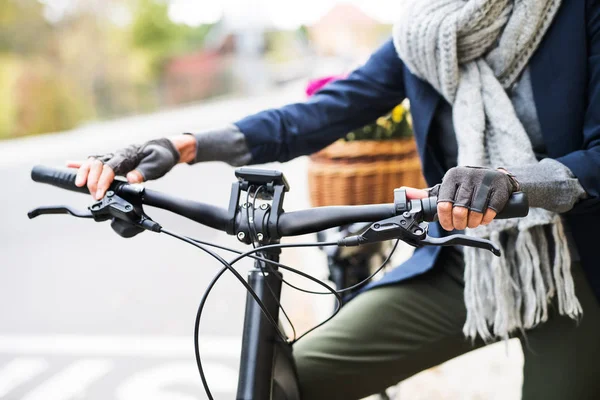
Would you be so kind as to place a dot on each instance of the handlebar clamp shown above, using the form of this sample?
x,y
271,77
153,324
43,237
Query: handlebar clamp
x,y
273,187
127,220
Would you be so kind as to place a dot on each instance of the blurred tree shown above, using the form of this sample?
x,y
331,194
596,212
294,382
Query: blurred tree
x,y
48,102
89,59
9,72
160,38
24,33
23,28
152,29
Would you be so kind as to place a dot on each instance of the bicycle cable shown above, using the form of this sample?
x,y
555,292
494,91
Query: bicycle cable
x,y
253,239
227,266
282,279
283,266
242,255
367,279
364,281
250,253
298,272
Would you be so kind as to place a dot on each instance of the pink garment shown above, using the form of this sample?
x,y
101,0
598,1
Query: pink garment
x,y
317,84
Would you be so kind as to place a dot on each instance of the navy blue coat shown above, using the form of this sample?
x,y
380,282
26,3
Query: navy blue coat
x,y
565,73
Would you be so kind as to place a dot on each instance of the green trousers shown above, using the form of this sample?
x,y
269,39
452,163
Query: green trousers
x,y
391,333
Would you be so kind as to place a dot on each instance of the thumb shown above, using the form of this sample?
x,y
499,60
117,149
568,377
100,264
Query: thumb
x,y
414,194
135,176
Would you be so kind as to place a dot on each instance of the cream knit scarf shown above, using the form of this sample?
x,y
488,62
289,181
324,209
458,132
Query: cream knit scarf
x,y
472,51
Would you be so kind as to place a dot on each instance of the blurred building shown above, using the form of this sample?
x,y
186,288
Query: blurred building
x,y
236,58
346,31
246,53
195,76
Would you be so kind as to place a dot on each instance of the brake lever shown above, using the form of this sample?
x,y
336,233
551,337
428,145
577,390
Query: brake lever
x,y
48,210
127,219
405,227
409,227
462,240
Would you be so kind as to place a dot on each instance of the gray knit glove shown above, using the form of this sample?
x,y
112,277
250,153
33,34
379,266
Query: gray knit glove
x,y
152,159
476,188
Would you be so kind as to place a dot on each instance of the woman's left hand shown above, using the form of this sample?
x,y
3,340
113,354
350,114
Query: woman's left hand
x,y
472,196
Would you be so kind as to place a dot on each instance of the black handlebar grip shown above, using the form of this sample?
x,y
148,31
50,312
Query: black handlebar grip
x,y
517,207
63,178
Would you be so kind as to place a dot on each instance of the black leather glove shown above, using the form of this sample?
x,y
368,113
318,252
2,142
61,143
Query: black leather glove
x,y
152,159
476,188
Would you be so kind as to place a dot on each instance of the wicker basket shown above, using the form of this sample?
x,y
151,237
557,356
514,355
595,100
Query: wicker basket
x,y
363,171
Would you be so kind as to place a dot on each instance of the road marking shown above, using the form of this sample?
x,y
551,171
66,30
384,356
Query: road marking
x,y
142,346
159,383
71,382
19,371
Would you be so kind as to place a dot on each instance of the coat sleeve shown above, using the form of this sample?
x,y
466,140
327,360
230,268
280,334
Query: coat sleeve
x,y
585,163
340,107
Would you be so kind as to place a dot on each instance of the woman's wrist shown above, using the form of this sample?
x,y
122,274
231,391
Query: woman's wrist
x,y
225,143
513,179
186,146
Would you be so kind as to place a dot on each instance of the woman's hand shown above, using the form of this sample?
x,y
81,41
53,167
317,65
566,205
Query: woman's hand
x,y
472,196
137,163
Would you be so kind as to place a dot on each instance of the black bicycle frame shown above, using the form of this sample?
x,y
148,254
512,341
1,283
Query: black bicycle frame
x,y
261,345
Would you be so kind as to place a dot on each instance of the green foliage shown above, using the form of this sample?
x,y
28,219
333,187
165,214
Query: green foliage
x,y
34,98
23,29
56,75
152,29
395,125
9,70
281,46
303,32
160,38
56,103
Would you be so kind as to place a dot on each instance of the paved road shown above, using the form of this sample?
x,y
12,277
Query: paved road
x,y
85,314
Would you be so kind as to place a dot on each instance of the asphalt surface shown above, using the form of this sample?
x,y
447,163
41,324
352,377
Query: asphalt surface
x,y
85,314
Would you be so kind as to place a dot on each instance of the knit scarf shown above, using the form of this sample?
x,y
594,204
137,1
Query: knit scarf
x,y
471,52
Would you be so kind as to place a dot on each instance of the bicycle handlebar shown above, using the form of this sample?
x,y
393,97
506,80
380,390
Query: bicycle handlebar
x,y
289,223
321,218
206,214
59,177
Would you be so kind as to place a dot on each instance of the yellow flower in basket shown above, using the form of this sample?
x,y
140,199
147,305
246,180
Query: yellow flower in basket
x,y
391,126
398,113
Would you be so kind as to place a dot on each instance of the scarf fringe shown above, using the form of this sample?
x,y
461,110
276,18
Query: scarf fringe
x,y
511,293
567,300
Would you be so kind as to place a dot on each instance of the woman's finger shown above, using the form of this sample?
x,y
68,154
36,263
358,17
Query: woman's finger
x,y
93,176
135,176
444,210
74,164
106,178
488,216
82,174
475,219
460,217
414,194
